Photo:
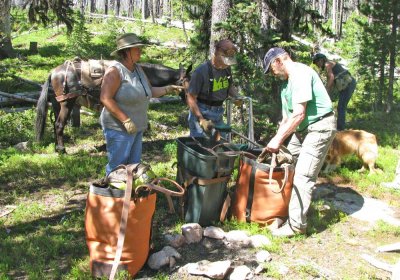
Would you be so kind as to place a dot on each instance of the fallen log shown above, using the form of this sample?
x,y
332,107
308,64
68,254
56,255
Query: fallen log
x,y
27,81
377,263
15,110
19,97
389,247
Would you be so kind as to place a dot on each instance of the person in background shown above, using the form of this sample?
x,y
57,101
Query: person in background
x,y
210,85
125,94
309,119
395,184
340,79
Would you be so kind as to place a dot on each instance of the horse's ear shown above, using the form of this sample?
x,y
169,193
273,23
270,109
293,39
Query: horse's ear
x,y
189,69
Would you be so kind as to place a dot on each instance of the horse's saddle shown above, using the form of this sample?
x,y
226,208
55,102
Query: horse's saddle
x,y
92,73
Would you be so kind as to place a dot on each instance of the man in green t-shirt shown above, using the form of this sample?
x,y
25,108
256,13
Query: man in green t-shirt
x,y
309,119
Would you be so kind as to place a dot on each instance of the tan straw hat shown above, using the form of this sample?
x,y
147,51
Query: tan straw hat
x,y
126,41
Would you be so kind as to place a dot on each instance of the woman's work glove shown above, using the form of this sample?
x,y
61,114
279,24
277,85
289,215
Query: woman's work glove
x,y
173,89
207,125
129,126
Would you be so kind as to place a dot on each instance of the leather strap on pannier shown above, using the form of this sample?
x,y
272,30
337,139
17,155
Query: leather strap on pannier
x,y
127,199
265,168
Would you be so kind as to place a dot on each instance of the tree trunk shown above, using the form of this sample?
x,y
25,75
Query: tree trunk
x,y
151,9
82,8
106,7
392,53
130,8
220,11
92,6
285,13
145,9
264,16
183,23
341,12
382,63
166,10
334,5
117,7
6,49
326,9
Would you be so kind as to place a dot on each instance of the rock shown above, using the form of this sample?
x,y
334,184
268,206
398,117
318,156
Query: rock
x,y
283,269
22,146
241,273
238,236
263,256
193,233
175,240
259,240
163,257
158,260
171,252
214,232
260,268
215,270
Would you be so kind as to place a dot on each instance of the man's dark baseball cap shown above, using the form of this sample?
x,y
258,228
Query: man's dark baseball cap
x,y
270,57
318,56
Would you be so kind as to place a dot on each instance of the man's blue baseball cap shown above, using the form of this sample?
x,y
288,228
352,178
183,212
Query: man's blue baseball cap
x,y
270,57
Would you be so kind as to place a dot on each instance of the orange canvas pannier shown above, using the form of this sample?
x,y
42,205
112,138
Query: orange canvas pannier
x,y
258,197
118,224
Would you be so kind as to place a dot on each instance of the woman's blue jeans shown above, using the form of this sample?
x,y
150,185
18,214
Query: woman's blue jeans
x,y
344,98
122,148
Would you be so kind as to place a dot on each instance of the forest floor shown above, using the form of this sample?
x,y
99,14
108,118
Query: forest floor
x,y
335,252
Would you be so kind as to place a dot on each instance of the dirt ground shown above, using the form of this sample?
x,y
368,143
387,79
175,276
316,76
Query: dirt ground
x,y
332,253
335,252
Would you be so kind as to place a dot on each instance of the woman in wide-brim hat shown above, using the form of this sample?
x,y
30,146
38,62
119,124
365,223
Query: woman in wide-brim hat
x,y
125,94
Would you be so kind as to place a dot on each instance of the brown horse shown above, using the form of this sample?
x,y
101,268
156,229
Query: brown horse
x,y
78,82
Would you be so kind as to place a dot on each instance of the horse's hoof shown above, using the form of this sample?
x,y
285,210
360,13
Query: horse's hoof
x,y
61,150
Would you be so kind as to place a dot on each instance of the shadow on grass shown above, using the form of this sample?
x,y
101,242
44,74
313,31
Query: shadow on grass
x,y
332,204
44,248
25,175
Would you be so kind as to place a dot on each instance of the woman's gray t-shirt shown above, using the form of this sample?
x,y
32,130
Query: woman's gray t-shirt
x,y
132,97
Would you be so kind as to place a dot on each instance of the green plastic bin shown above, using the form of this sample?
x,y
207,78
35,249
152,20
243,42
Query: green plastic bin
x,y
195,156
204,203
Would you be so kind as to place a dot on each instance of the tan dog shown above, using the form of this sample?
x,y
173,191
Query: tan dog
x,y
348,142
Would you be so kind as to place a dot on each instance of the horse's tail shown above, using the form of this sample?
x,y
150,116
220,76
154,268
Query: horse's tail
x,y
41,110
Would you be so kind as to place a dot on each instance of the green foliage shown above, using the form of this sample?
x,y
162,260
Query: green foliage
x,y
79,40
171,149
384,228
51,11
19,125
